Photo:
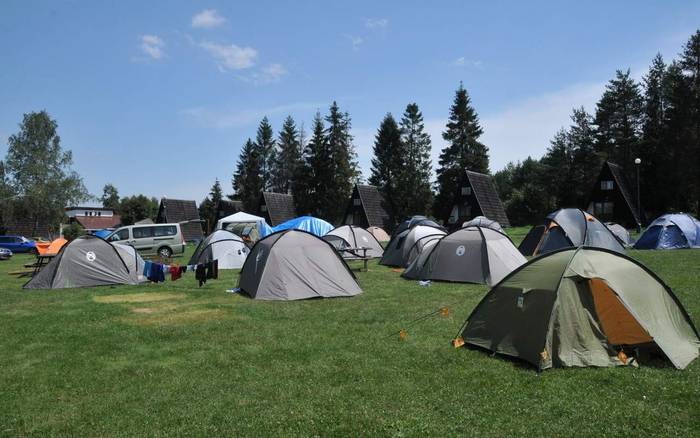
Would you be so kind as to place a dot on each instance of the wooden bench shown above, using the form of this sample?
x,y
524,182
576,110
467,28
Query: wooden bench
x,y
354,252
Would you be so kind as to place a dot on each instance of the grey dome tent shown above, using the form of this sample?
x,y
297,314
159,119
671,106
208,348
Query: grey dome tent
x,y
467,255
582,307
350,236
295,265
671,231
623,236
568,227
225,246
86,261
379,234
483,221
421,245
414,221
394,251
415,234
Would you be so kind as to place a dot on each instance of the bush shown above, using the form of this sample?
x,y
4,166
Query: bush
x,y
72,231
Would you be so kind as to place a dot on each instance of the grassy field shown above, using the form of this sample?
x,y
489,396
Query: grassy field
x,y
176,359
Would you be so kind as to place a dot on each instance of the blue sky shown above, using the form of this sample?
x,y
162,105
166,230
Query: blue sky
x,y
158,97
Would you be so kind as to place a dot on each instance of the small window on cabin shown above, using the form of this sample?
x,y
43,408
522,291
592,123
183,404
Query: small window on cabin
x,y
356,202
99,213
606,185
608,208
263,208
466,191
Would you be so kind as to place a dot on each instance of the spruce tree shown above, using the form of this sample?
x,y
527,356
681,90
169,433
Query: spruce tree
x,y
559,170
314,176
618,119
288,157
655,159
463,152
388,166
690,64
265,145
343,160
247,180
586,161
207,208
417,195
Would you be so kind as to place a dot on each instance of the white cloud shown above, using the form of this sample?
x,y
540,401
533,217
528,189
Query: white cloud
x,y
266,75
228,118
376,23
230,57
152,45
525,128
462,62
208,18
356,41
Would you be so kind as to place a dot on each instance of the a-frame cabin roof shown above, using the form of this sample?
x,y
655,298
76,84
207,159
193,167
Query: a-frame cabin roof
x,y
373,205
280,207
486,195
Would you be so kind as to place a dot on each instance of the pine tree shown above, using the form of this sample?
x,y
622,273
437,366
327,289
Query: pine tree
x,y
652,150
690,64
207,208
559,171
344,170
288,157
463,152
618,119
387,166
265,145
315,174
247,180
586,161
415,178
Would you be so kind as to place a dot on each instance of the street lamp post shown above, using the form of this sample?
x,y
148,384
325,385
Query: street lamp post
x,y
637,162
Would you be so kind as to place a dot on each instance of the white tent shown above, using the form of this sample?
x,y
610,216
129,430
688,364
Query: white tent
x,y
224,246
417,233
133,260
235,221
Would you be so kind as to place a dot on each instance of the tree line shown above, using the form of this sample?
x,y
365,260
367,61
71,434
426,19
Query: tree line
x,y
656,120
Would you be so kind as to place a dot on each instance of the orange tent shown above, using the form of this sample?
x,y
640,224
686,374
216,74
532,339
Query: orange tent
x,y
52,248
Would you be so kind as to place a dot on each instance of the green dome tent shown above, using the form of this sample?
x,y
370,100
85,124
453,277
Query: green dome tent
x,y
582,307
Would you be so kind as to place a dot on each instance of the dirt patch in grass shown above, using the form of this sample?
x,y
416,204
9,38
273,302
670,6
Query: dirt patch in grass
x,y
139,298
149,316
145,310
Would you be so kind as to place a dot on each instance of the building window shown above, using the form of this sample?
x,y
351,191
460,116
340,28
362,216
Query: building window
x,y
606,185
603,209
263,208
99,213
466,191
356,202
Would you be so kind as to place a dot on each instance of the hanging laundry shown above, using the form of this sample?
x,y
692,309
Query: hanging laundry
x,y
175,272
155,273
147,268
213,269
200,273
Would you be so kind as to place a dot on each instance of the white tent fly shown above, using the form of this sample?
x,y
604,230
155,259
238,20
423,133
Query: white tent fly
x,y
245,224
348,239
418,232
224,246
132,260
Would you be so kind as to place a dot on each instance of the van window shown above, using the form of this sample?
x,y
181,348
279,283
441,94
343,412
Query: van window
x,y
4,239
120,235
165,230
141,232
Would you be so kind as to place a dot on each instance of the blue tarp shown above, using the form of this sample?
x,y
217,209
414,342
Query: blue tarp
x,y
102,233
671,231
311,224
264,229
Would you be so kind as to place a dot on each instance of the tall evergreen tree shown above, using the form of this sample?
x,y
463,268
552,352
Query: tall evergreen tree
x,y
655,159
559,170
388,166
247,179
463,152
288,157
619,120
586,161
310,192
690,65
343,160
207,208
265,145
415,179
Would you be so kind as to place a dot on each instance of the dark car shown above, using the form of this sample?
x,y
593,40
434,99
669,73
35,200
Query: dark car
x,y
17,244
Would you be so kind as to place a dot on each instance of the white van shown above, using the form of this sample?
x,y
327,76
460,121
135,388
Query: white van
x,y
164,240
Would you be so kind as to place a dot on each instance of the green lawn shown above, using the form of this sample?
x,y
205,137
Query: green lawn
x,y
175,359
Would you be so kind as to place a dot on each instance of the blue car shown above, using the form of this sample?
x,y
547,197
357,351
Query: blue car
x,y
17,244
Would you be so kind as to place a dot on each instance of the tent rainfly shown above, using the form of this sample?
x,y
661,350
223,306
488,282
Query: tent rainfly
x,y
467,255
296,265
671,231
421,245
317,227
623,236
483,221
399,248
86,261
379,234
133,260
238,222
348,237
224,246
582,307
568,227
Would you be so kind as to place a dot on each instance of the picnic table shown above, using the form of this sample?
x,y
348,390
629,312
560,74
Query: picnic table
x,y
355,254
41,261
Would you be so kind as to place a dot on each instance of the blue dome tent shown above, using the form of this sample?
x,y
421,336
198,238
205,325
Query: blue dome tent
x,y
671,231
